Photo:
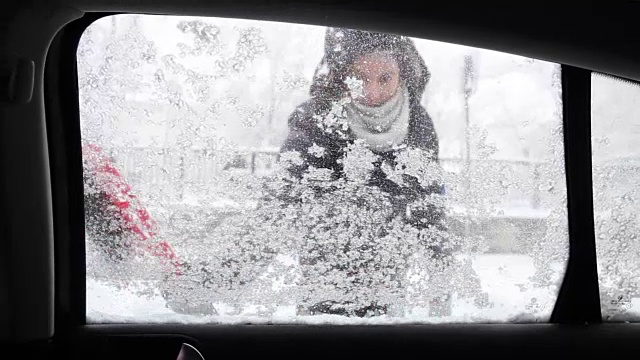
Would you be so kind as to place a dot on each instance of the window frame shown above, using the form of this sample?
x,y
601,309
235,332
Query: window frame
x,y
578,300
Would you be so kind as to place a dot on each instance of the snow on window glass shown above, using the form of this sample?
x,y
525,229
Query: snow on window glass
x,y
616,177
242,171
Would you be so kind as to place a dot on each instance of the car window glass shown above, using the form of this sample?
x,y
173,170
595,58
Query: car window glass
x,y
245,171
616,150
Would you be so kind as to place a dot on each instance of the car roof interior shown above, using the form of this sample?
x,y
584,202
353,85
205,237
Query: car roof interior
x,y
42,269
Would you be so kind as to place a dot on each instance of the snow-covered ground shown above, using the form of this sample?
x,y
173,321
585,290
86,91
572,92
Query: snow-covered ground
x,y
505,277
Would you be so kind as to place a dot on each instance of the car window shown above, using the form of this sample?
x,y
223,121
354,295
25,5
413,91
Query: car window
x,y
243,171
616,150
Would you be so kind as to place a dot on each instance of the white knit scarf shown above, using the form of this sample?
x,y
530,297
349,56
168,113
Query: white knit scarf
x,y
382,126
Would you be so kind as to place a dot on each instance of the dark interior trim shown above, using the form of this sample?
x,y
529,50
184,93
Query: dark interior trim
x,y
579,298
494,341
65,154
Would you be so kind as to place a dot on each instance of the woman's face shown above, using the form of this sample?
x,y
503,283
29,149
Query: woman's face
x,y
380,75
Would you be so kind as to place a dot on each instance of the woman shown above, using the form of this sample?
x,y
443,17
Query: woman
x,y
367,89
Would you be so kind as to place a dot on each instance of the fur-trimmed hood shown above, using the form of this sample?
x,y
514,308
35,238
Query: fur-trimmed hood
x,y
342,46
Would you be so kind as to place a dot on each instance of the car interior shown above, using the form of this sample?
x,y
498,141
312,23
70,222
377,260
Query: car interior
x,y
43,301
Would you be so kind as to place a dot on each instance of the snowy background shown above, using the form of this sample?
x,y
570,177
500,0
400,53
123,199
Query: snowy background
x,y
175,100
